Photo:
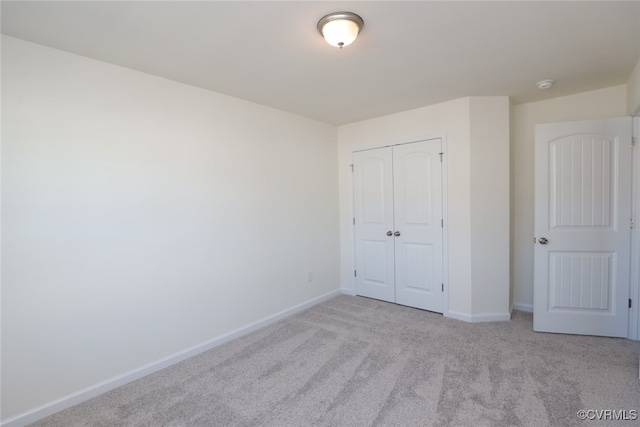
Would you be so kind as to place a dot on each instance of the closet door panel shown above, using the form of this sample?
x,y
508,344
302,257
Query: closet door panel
x,y
418,224
373,212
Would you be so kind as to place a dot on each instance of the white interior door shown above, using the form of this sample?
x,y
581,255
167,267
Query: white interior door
x,y
582,227
398,224
418,224
373,213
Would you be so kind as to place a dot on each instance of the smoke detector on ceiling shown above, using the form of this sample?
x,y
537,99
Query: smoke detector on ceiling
x,y
545,84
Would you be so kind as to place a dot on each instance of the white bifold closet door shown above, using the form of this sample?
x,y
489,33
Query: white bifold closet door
x,y
398,219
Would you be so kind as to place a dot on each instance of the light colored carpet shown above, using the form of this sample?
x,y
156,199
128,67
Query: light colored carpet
x,y
353,361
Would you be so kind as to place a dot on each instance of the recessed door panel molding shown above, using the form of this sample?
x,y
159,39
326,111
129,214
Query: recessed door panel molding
x,y
582,227
374,191
582,281
418,264
582,182
414,190
398,194
373,272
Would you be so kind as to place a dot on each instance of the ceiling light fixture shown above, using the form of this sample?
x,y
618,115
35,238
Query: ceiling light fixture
x,y
340,29
545,84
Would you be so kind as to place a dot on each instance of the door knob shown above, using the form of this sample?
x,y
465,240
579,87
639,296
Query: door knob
x,y
543,240
389,233
397,233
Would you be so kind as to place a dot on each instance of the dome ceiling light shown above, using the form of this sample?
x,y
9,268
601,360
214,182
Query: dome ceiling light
x,y
340,29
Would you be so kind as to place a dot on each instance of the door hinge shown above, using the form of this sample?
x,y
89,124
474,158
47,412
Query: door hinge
x,y
351,166
355,274
442,223
633,141
630,303
354,220
443,287
441,154
632,223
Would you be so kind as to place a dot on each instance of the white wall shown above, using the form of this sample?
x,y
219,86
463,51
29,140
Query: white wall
x,y
142,217
451,120
603,103
490,206
633,91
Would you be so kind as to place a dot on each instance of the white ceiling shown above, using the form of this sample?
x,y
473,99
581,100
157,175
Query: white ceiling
x,y
409,54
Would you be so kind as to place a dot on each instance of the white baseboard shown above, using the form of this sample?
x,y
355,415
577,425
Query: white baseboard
x,y
478,318
523,307
348,291
73,399
458,316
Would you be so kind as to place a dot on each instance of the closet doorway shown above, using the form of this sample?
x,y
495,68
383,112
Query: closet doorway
x,y
399,224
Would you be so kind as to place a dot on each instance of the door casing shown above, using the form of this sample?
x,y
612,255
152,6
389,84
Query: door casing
x,y
634,289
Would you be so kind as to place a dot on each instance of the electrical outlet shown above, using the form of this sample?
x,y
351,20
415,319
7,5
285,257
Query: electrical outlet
x,y
309,276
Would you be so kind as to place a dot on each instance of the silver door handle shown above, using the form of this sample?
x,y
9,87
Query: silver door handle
x,y
543,241
397,233
389,233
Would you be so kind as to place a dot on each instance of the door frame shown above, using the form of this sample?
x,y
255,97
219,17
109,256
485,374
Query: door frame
x,y
445,229
634,284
